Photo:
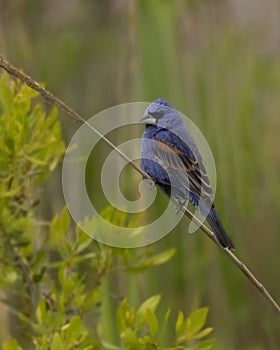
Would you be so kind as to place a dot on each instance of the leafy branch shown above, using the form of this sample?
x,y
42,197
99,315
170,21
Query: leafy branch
x,y
50,98
53,274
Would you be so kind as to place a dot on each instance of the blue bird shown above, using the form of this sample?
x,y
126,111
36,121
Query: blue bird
x,y
171,158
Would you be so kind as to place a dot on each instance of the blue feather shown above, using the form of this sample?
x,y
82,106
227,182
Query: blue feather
x,y
170,156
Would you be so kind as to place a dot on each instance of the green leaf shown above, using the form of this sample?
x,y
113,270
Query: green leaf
x,y
77,259
10,193
109,346
203,333
59,226
10,143
83,240
150,304
141,313
6,95
26,94
196,320
161,258
11,344
74,327
152,321
205,345
121,315
164,326
131,339
41,311
35,161
189,329
154,260
57,343
179,322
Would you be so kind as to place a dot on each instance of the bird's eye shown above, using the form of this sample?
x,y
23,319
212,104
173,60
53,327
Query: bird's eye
x,y
157,114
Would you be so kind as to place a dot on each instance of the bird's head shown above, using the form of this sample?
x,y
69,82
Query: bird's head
x,y
160,113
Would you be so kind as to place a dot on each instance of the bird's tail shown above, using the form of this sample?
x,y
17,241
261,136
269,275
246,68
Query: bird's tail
x,y
219,230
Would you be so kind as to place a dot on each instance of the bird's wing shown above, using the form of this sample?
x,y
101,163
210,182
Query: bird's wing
x,y
184,163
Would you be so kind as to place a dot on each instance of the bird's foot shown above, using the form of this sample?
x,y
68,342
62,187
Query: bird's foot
x,y
179,204
151,183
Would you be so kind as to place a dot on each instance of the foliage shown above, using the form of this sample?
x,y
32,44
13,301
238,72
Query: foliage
x,y
53,274
141,329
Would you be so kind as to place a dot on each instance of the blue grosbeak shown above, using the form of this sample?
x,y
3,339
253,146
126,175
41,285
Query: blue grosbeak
x,y
171,158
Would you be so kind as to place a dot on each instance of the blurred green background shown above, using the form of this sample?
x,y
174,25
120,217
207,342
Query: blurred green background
x,y
219,63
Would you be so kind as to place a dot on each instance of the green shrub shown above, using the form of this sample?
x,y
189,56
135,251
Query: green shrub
x,y
53,275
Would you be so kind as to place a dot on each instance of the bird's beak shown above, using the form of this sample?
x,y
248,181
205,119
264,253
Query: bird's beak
x,y
148,119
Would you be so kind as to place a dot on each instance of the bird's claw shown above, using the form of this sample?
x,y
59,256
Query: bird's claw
x,y
151,183
179,205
